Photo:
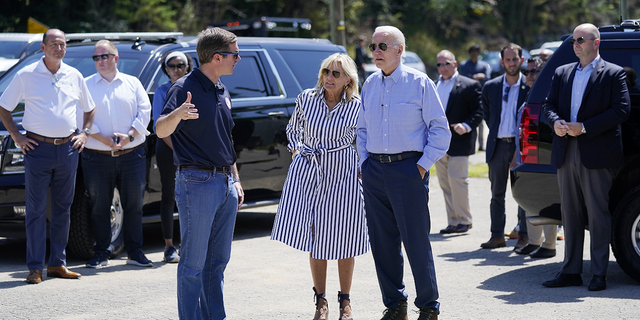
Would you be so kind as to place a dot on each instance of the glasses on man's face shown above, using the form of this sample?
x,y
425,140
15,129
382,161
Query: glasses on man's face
x,y
580,40
443,64
102,56
505,97
531,72
234,54
180,66
383,46
336,74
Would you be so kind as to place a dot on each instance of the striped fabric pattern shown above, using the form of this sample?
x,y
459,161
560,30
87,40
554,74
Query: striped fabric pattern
x,y
322,208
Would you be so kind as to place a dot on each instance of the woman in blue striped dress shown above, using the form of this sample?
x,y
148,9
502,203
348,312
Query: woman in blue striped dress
x,y
321,209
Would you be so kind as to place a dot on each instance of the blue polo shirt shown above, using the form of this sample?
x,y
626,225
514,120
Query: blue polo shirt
x,y
205,141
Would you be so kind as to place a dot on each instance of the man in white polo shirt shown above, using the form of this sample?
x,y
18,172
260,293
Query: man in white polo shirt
x,y
114,157
52,92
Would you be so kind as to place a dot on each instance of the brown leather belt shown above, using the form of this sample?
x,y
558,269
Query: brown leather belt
x,y
113,153
205,168
55,141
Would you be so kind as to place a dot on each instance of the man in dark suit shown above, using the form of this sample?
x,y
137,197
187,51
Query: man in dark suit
x,y
586,104
501,98
461,98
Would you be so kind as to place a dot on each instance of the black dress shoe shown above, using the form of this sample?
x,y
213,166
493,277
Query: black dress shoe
x,y
462,228
543,253
564,280
598,283
448,229
527,249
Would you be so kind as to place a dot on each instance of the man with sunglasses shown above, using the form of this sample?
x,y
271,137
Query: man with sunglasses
x,y
460,97
197,116
402,131
586,104
501,98
53,93
114,156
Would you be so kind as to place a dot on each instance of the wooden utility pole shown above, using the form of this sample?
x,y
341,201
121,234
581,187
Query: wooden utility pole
x,y
624,10
337,23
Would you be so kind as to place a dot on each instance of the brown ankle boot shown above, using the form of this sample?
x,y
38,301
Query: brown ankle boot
x,y
345,306
322,306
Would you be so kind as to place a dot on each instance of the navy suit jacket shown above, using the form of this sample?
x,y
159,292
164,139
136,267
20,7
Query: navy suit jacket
x,y
605,105
464,105
492,108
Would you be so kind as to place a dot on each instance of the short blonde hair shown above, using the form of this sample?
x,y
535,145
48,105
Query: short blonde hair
x,y
348,66
108,44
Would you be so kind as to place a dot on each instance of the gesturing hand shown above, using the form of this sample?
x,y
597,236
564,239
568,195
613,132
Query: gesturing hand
x,y
187,110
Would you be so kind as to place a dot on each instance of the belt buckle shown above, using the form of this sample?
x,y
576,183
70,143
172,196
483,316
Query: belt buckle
x,y
58,142
113,153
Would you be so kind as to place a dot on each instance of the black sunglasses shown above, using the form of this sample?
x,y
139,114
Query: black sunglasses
x,y
234,54
180,66
443,64
530,72
580,40
102,56
336,74
506,94
383,46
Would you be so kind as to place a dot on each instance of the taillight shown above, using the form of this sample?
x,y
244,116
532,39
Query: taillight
x,y
529,128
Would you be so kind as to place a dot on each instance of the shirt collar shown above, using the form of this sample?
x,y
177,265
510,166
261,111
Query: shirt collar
x,y
100,78
453,78
206,83
521,80
396,74
592,64
42,68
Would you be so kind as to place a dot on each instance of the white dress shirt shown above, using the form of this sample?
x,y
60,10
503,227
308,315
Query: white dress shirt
x,y
120,105
51,100
508,126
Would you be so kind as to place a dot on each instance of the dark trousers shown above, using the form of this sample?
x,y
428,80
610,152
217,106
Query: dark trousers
x,y
164,158
397,213
103,173
584,198
49,165
499,175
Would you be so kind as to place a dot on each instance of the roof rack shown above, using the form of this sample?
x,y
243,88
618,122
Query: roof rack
x,y
626,25
163,37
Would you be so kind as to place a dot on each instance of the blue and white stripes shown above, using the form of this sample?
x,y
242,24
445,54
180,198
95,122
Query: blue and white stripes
x,y
322,209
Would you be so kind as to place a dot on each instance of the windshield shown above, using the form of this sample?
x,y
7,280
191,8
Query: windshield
x,y
12,49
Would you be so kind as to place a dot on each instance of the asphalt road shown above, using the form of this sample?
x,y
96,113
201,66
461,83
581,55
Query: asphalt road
x,y
268,280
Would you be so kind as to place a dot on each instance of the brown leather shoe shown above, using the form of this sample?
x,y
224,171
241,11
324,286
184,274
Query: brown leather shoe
x,y
428,314
494,242
399,313
62,272
35,276
523,241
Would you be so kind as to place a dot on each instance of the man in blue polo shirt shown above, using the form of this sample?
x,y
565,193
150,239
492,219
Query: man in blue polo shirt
x,y
197,116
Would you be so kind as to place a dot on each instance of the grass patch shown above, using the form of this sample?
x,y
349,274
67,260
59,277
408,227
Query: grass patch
x,y
478,170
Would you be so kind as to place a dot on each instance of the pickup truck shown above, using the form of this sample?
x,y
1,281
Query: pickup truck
x,y
263,88
535,184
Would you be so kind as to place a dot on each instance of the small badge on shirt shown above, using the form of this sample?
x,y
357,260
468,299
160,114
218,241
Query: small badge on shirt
x,y
228,102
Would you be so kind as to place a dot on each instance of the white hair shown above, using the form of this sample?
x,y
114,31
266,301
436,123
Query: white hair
x,y
396,35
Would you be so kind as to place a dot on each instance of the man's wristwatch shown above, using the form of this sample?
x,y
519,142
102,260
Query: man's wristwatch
x,y
131,137
584,131
87,131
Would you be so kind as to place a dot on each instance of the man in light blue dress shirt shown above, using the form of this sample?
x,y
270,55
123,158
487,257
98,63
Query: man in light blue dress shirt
x,y
402,131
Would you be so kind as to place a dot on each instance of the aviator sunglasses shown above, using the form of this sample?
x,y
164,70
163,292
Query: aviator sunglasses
x,y
443,64
383,46
102,56
336,74
580,40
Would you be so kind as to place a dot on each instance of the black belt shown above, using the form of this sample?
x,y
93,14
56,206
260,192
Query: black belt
x,y
55,141
205,168
388,158
113,153
510,139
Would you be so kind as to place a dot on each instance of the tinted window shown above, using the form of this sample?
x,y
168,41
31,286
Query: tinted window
x,y
247,80
86,65
305,65
11,49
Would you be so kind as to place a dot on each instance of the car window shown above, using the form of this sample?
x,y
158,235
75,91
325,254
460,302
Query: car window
x,y
11,49
410,59
305,65
624,58
247,80
161,78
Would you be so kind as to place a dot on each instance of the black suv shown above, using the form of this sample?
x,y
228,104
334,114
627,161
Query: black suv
x,y
263,88
535,185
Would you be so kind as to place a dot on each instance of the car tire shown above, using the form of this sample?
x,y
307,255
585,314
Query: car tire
x,y
81,238
625,241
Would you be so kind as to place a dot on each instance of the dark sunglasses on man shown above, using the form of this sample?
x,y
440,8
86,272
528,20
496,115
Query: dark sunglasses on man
x,y
102,56
383,46
234,54
336,74
443,64
532,72
580,40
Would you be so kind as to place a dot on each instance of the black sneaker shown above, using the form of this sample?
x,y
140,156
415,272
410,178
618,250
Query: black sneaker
x,y
100,260
140,260
171,255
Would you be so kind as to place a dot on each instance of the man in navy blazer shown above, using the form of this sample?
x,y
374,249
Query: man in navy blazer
x,y
461,98
586,104
501,98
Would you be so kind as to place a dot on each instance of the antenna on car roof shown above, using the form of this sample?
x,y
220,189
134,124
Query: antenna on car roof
x,y
137,45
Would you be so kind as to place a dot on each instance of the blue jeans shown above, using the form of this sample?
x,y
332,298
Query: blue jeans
x,y
103,173
396,198
207,205
55,166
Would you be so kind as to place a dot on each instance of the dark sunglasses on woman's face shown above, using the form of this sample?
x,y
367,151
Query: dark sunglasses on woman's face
x,y
336,74
530,72
383,46
180,66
